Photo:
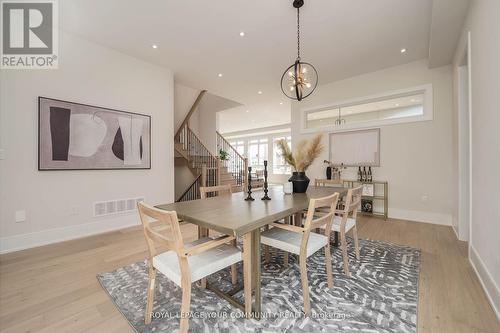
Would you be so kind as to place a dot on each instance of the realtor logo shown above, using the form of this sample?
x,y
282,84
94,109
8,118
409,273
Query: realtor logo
x,y
29,34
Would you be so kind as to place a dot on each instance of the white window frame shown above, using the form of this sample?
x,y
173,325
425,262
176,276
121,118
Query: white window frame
x,y
270,153
427,115
275,138
259,143
243,144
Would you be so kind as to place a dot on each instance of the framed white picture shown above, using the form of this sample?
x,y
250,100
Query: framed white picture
x,y
355,148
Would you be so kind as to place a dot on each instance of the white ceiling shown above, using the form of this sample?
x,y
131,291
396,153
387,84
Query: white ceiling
x,y
199,39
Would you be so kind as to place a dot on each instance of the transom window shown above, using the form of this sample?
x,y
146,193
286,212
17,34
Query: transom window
x,y
396,107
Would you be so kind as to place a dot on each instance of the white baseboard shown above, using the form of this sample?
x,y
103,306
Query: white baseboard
x,y
420,216
490,288
50,236
456,231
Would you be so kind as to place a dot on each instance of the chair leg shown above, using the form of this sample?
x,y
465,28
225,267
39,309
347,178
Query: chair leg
x,y
151,295
186,304
201,232
356,241
305,285
234,268
328,262
345,257
285,259
203,283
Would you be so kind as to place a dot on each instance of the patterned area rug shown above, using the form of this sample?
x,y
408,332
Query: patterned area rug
x,y
381,295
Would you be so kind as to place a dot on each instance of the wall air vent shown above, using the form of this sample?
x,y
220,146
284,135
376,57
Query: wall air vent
x,y
115,207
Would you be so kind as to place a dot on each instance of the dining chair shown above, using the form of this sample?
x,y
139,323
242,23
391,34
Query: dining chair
x,y
303,242
205,191
182,263
238,188
346,221
212,191
328,182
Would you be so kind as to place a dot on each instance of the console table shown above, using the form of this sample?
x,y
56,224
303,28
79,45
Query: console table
x,y
380,193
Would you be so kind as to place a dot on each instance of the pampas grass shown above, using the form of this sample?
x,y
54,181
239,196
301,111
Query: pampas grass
x,y
286,152
304,154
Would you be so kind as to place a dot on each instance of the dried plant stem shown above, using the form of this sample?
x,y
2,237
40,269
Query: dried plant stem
x,y
304,154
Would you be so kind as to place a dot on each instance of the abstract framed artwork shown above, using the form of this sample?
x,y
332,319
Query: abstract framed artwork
x,y
74,136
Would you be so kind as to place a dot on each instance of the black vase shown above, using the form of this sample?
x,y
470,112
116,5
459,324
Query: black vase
x,y
300,182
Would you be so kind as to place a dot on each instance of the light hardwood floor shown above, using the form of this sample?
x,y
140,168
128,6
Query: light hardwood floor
x,y
54,289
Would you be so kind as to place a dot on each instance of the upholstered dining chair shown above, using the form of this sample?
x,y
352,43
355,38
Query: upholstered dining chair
x,y
205,191
181,263
303,242
346,221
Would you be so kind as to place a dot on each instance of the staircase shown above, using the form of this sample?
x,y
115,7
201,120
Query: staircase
x,y
208,169
235,166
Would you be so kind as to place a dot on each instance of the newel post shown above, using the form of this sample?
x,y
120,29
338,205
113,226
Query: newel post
x,y
218,170
203,175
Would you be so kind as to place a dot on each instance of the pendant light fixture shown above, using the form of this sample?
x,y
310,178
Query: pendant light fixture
x,y
300,79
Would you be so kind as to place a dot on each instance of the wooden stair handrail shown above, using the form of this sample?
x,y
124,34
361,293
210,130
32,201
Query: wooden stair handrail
x,y
237,165
189,188
193,108
199,141
227,142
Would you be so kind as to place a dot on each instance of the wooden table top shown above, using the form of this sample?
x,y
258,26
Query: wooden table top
x,y
232,215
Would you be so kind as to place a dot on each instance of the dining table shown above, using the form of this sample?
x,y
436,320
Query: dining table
x,y
234,216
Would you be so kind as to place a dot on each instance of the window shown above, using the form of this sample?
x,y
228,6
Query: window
x,y
280,167
257,153
397,107
239,146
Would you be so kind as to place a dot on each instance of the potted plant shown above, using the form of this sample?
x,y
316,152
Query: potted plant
x,y
223,155
301,159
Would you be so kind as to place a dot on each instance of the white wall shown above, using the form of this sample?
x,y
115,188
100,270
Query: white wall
x,y
483,22
184,98
59,203
415,157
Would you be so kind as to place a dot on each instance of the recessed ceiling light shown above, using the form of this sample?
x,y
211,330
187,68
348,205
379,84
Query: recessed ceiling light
x,y
219,75
247,111
154,46
259,92
397,104
242,33
403,50
281,103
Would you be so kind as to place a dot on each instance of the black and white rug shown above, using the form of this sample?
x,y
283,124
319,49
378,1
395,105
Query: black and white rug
x,y
381,295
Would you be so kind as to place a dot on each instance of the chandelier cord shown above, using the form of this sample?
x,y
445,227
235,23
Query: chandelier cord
x,y
298,34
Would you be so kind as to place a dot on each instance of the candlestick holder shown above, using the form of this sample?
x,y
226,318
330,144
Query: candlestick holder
x,y
249,197
265,197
